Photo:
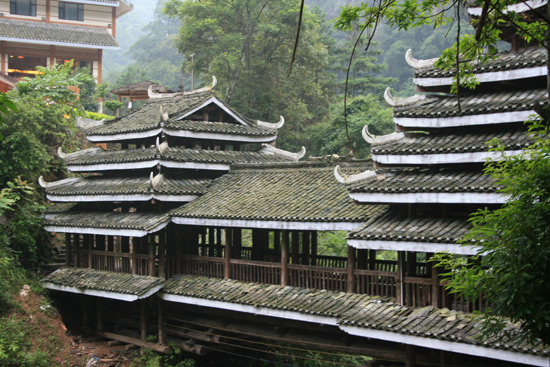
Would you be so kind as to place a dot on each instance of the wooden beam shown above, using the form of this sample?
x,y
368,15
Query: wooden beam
x,y
436,293
143,319
88,240
284,259
351,270
48,11
314,248
128,340
162,254
67,249
400,278
305,247
227,253
151,246
161,331
133,257
179,248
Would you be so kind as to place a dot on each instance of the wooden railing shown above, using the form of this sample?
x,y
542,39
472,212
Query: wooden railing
x,y
379,283
304,276
115,262
256,271
212,267
325,261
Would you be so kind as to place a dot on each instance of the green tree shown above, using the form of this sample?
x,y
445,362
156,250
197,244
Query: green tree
x,y
514,272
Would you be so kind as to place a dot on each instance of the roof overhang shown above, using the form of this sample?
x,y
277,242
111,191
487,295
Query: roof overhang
x,y
493,76
124,136
429,198
105,231
113,166
415,246
448,346
469,120
102,294
269,224
219,136
58,43
520,7
447,158
195,165
121,197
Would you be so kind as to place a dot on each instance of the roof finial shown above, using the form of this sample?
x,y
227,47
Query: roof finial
x,y
347,179
376,140
43,183
154,95
415,63
396,102
205,89
272,125
60,153
268,148
163,115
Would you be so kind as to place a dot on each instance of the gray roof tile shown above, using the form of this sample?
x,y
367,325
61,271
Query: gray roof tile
x,y
52,32
144,221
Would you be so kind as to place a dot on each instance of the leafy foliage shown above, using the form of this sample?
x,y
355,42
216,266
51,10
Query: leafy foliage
x,y
513,273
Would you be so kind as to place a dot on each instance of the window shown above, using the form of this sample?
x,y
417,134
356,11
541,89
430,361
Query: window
x,y
23,7
20,66
71,11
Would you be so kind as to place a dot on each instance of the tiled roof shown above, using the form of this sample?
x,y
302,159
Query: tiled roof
x,y
218,127
142,221
391,226
475,104
136,285
417,180
56,208
350,309
454,142
504,61
289,192
174,155
99,185
142,87
148,117
52,32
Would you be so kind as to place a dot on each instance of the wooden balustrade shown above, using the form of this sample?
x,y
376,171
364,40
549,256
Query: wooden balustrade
x,y
325,261
379,283
212,267
418,291
256,271
115,262
304,276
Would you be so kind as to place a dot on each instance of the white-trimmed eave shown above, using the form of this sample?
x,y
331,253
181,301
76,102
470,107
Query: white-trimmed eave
x,y
488,77
429,197
113,166
102,294
448,346
58,43
446,158
263,311
124,136
91,2
195,165
470,120
129,197
105,231
519,7
218,103
219,136
415,246
269,224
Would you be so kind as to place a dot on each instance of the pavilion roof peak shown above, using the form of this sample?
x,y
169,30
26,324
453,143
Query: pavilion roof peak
x,y
418,63
413,100
154,95
348,179
270,149
382,139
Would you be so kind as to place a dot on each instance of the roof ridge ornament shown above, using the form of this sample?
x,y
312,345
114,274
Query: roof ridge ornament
x,y
204,89
382,139
49,185
60,153
156,180
154,95
270,149
163,115
64,155
151,176
161,148
416,63
397,102
347,179
272,125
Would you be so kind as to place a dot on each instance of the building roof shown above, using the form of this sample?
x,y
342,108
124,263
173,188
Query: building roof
x,y
451,147
531,57
297,194
148,122
427,185
349,311
140,88
395,231
121,286
476,104
100,188
136,224
56,34
173,157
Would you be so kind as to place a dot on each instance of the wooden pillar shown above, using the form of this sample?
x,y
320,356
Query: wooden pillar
x,y
68,249
219,241
277,241
227,253
162,254
88,240
314,248
85,305
351,270
237,243
372,259
52,56
305,247
284,259
211,241
151,246
411,263
295,247
76,240
179,248
399,278
143,319
99,315
362,258
161,331
110,243
133,258
410,353
99,66
4,58
436,293
124,244
48,11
